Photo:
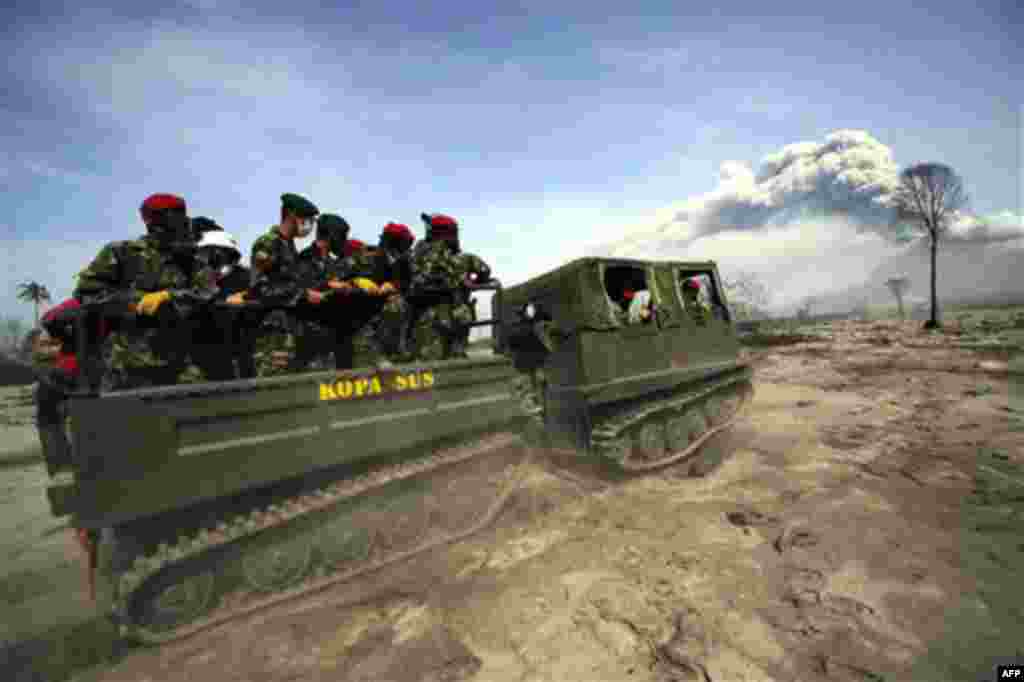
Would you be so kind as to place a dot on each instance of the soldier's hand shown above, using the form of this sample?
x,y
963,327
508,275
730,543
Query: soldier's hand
x,y
314,296
367,285
387,288
236,299
339,285
150,303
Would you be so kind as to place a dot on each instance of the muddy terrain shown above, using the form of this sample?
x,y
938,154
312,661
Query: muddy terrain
x,y
867,525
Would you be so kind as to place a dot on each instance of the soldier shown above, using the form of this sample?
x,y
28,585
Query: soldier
x,y
691,297
439,277
276,281
147,350
224,343
56,353
476,271
393,271
640,309
322,267
367,267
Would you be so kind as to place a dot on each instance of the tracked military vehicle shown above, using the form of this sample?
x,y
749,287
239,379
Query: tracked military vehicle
x,y
215,500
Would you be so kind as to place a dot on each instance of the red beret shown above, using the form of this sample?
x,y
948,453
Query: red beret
x,y
56,310
159,202
399,231
353,245
54,313
439,220
628,294
692,283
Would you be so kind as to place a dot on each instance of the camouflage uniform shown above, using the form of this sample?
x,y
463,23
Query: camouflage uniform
x,y
277,282
364,311
440,307
393,265
50,396
143,351
320,332
471,265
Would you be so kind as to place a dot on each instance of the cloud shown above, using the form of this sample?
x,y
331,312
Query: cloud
x,y
849,175
651,60
999,228
813,217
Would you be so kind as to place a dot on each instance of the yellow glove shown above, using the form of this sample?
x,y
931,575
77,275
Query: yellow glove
x,y
151,302
367,285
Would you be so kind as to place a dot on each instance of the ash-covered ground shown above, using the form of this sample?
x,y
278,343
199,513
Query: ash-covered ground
x,y
866,523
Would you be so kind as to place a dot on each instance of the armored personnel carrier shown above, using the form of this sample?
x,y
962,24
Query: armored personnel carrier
x,y
215,500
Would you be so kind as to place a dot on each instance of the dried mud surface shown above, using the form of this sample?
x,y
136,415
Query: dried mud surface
x,y
842,539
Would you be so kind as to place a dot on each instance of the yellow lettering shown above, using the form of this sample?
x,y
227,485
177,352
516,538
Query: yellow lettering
x,y
344,389
375,385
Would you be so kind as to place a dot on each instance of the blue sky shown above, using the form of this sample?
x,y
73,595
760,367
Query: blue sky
x,y
545,128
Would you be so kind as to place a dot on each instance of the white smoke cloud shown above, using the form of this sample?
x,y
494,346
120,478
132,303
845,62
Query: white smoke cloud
x,y
999,228
850,175
814,217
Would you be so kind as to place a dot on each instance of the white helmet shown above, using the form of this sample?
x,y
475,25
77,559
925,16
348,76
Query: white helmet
x,y
220,239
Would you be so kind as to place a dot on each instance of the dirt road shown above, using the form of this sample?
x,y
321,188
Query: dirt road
x,y
867,526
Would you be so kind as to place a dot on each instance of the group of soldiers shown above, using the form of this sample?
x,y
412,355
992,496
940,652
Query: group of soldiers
x,y
634,305
398,301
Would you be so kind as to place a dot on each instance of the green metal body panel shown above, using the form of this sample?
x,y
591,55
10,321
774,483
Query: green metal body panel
x,y
603,359
600,360
149,451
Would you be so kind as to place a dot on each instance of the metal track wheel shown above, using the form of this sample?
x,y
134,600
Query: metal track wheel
x,y
167,606
343,544
649,442
278,564
682,430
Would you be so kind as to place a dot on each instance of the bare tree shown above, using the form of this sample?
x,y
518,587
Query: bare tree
x,y
746,294
928,196
36,293
899,286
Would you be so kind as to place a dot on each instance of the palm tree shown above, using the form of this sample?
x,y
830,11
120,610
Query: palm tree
x,y
36,293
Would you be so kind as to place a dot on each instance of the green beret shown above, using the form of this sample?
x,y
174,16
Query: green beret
x,y
299,205
331,221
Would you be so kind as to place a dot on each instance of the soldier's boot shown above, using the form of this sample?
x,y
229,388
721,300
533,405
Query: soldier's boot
x,y
56,448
